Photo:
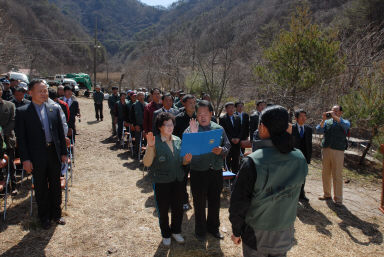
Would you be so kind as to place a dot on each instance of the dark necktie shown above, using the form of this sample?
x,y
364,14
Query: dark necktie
x,y
301,132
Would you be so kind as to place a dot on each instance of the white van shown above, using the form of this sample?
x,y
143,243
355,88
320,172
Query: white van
x,y
18,76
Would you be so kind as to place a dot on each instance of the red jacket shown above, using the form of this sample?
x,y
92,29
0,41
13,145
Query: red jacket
x,y
148,115
66,110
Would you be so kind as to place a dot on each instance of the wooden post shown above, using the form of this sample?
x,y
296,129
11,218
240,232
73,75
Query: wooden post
x,y
382,189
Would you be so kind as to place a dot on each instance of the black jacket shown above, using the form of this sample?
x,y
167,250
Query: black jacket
x,y
232,131
182,123
305,143
30,133
253,124
244,125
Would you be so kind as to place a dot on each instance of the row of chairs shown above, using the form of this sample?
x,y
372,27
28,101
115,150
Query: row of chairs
x,y
67,169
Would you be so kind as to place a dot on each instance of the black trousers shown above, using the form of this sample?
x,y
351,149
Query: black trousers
x,y
233,158
169,195
99,110
206,186
46,177
185,191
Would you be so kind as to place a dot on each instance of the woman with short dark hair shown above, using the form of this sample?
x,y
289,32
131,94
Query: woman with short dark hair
x,y
163,156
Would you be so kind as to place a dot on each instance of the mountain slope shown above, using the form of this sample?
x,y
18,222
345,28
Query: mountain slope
x,y
37,36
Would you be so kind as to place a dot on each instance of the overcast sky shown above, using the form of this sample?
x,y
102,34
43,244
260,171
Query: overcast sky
x,y
158,2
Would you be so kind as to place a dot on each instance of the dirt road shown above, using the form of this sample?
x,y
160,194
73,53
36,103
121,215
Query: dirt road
x,y
111,212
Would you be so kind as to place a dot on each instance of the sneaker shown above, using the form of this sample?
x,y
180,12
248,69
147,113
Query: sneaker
x,y
178,237
167,241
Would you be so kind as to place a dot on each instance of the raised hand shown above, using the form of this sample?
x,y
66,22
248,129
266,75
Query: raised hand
x,y
187,158
150,139
194,127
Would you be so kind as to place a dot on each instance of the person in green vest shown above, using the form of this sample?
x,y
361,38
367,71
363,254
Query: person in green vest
x,y
266,192
207,175
334,143
167,172
113,98
98,98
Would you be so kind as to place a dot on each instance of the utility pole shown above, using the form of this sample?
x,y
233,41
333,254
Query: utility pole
x,y
94,54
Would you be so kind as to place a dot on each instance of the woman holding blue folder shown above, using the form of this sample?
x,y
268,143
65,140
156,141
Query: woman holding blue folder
x,y
163,156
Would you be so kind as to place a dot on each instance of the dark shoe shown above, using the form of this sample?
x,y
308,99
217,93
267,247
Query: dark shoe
x,y
97,119
201,238
218,235
60,221
303,199
325,198
46,224
101,119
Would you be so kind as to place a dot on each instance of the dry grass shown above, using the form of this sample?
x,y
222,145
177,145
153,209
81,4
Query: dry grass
x,y
111,212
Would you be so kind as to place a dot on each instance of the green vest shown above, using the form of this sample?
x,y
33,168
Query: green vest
x,y
335,136
208,161
167,166
276,192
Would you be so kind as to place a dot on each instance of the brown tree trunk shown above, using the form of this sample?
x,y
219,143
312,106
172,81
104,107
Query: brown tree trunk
x,y
362,158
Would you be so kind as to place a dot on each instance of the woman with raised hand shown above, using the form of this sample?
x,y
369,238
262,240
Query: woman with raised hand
x,y
167,172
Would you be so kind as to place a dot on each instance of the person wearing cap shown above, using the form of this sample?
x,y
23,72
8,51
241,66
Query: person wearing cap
x,y
113,98
98,98
7,92
18,97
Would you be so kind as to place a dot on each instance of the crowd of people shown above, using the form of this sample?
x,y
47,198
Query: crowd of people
x,y
269,181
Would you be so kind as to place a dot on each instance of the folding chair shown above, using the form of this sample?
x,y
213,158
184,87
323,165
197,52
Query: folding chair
x,y
227,174
71,157
4,164
68,168
72,152
130,140
19,168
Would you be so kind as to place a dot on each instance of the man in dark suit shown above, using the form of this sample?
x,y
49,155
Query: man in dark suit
x,y
244,118
232,126
254,119
74,110
42,147
302,138
167,100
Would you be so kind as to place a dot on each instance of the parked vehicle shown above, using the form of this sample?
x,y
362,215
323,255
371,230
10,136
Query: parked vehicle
x,y
19,76
73,84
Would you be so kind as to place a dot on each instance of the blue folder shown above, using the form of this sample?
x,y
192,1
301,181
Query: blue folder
x,y
201,142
